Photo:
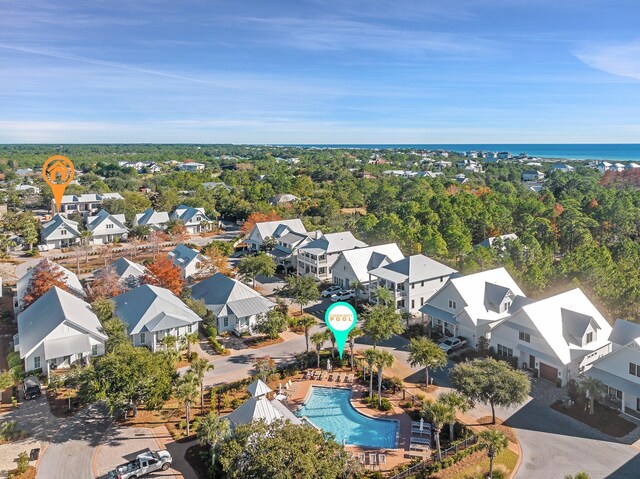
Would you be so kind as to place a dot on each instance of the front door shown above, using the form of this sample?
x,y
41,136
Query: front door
x,y
532,361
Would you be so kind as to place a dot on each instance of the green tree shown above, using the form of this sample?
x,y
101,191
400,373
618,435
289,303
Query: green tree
x,y
307,322
272,324
355,333
284,451
424,352
318,339
187,391
213,431
371,357
593,389
117,335
252,266
383,359
494,442
264,367
381,323
457,402
303,289
189,340
104,309
438,414
383,296
6,380
200,366
491,381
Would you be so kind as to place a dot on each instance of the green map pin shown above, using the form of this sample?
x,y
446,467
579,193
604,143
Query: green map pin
x,y
341,318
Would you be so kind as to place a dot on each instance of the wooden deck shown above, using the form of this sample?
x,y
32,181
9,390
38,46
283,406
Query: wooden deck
x,y
299,393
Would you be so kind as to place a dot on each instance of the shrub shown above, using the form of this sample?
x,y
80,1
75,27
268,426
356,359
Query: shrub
x,y
23,462
385,405
13,360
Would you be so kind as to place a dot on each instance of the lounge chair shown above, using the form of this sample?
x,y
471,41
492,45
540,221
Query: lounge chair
x,y
339,378
420,440
330,377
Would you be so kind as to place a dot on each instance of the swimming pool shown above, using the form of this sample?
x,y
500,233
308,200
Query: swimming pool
x,y
331,410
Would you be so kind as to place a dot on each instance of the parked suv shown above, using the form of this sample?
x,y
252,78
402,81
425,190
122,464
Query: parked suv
x,y
31,387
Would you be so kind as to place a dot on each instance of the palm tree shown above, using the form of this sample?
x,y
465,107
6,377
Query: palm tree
x,y
212,431
307,322
200,366
370,356
188,339
384,359
353,334
357,286
423,352
332,338
406,315
168,342
438,413
495,442
318,339
456,401
384,296
592,388
187,392
85,236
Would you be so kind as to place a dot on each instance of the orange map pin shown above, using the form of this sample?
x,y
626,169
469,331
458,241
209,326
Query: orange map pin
x,y
58,172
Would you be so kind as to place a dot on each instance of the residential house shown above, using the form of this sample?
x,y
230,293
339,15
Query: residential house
x,y
631,166
151,313
318,256
28,189
126,270
187,259
288,243
283,199
156,220
468,305
195,220
603,166
260,408
57,331
191,166
620,369
86,204
412,281
268,229
354,265
216,185
107,228
141,166
69,278
562,167
461,178
235,305
60,232
489,242
559,336
532,175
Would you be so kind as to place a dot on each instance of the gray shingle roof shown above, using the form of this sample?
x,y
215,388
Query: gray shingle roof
x,y
145,306
151,217
182,256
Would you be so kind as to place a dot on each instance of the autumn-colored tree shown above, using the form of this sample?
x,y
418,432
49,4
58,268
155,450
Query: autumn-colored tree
x,y
46,274
163,273
157,238
257,217
106,286
177,231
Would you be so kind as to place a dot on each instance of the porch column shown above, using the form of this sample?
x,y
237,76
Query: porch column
x,y
622,405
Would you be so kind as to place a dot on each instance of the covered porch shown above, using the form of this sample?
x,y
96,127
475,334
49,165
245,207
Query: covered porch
x,y
441,321
62,353
622,394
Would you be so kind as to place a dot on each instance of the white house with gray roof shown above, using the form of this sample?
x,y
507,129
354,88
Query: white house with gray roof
x,y
156,220
85,204
354,265
195,220
57,331
469,305
412,281
151,313
127,271
235,305
318,256
107,228
60,232
620,369
272,229
260,408
187,259
559,336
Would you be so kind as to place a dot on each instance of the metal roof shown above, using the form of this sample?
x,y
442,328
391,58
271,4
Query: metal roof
x,y
625,332
416,268
151,217
363,260
261,408
334,243
68,346
69,278
258,388
268,228
438,313
56,222
94,222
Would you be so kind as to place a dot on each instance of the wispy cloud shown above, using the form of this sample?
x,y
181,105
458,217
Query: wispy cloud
x,y
620,59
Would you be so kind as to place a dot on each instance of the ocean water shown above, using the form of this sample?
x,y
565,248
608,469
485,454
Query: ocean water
x,y
613,152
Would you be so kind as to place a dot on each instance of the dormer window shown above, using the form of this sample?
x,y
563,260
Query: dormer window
x,y
589,337
452,304
506,306
63,232
110,226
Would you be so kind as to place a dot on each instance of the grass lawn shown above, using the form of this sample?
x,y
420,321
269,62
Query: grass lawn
x,y
606,420
477,466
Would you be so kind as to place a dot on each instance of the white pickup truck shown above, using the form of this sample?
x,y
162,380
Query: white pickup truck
x,y
450,345
143,464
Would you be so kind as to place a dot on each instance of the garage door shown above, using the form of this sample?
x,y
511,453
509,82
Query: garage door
x,y
547,372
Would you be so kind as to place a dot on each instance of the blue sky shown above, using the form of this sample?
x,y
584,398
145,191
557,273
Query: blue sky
x,y
312,71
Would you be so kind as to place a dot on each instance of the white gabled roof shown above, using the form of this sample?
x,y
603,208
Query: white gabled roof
x,y
261,409
563,318
90,197
151,217
363,260
48,312
258,388
415,268
69,278
94,223
333,243
488,242
268,228
52,226
187,213
125,268
150,308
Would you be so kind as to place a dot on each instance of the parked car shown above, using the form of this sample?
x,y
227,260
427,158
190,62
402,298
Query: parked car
x,y
450,345
31,387
43,247
343,295
330,291
143,464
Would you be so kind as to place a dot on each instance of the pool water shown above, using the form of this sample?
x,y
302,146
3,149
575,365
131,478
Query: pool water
x,y
331,410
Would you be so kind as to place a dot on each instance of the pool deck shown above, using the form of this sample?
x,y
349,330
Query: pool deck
x,y
394,457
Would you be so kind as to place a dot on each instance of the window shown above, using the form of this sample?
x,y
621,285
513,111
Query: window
x,y
441,279
94,350
634,369
452,304
190,328
36,362
63,232
505,351
400,304
413,285
589,337
109,226
225,322
143,338
421,301
413,303
506,305
522,336
615,393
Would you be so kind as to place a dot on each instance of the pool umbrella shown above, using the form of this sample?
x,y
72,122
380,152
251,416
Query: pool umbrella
x,y
328,364
279,388
421,424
